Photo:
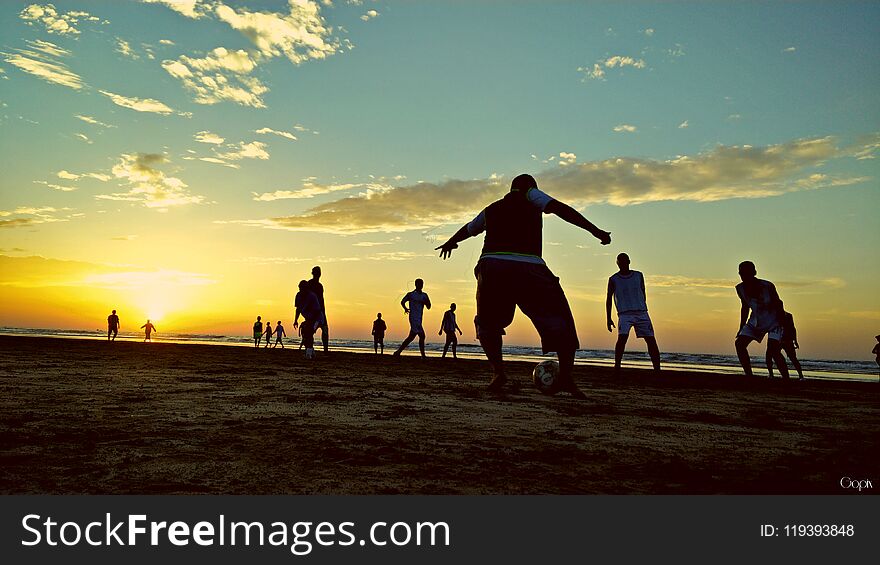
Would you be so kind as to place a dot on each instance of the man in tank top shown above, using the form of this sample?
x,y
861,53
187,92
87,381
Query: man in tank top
x,y
627,288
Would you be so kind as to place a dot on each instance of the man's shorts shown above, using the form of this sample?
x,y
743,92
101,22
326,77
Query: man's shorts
x,y
758,334
638,320
502,285
416,328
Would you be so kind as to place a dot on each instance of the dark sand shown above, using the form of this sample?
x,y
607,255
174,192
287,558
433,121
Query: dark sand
x,y
82,416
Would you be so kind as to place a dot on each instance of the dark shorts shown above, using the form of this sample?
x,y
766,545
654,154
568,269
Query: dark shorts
x,y
503,285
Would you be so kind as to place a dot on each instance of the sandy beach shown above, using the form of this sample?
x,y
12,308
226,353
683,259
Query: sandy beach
x,y
85,416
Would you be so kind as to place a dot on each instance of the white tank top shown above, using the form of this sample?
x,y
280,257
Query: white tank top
x,y
628,295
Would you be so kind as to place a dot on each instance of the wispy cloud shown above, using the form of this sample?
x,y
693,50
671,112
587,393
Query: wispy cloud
x,y
311,189
138,104
124,48
725,172
190,8
41,60
93,121
789,50
626,128
147,184
683,125
25,216
252,150
53,21
285,134
222,75
208,137
370,15
598,70
58,187
566,159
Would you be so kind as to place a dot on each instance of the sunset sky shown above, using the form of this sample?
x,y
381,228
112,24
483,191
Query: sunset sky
x,y
191,160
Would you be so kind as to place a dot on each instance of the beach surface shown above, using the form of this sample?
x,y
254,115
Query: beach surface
x,y
87,416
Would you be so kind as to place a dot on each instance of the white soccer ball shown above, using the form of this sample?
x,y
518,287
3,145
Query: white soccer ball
x,y
546,377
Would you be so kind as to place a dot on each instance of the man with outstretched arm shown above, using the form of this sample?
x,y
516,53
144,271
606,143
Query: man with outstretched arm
x,y
511,273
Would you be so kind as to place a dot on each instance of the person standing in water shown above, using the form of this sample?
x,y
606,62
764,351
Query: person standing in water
x,y
627,287
417,301
112,326
379,328
148,328
450,326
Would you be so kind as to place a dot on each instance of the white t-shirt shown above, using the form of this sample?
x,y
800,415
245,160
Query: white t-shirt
x,y
763,314
628,294
477,226
417,301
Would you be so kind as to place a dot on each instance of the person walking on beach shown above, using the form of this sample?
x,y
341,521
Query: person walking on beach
x,y
876,351
449,326
318,289
511,273
112,326
379,329
268,334
258,331
627,287
148,328
788,343
308,306
759,316
417,301
279,335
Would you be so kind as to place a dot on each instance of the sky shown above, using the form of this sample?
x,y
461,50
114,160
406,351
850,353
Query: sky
x,y
191,160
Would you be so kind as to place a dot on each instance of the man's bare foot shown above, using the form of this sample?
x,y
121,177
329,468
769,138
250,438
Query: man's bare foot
x,y
497,383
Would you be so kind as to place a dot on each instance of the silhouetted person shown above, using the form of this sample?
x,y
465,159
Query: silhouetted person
x,y
449,326
112,326
759,316
627,287
511,273
258,331
417,301
308,306
268,334
148,328
876,351
316,287
788,343
279,335
379,328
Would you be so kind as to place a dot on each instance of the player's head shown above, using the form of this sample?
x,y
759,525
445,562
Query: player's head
x,y
279,322
452,306
114,311
623,261
877,337
379,315
522,183
419,284
303,285
316,272
747,270
259,318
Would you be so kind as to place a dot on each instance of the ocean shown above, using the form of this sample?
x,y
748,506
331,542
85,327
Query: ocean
x,y
726,364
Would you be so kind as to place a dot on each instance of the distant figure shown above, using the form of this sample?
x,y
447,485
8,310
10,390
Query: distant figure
x,y
876,351
511,273
759,316
112,326
417,301
279,335
379,329
628,289
268,334
308,306
148,328
258,331
449,326
788,342
316,287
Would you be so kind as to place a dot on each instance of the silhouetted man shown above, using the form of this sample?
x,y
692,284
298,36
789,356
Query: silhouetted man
x,y
379,328
258,331
112,326
148,328
279,335
268,334
308,306
788,343
318,289
759,316
417,301
627,287
511,273
449,326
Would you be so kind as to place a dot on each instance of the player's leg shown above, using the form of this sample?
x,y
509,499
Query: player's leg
x,y
789,349
768,359
653,351
445,347
454,341
422,342
620,346
406,342
742,352
774,348
495,309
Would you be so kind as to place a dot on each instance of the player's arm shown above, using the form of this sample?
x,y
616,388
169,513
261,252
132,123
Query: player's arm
x,y
427,302
459,329
403,304
452,243
610,293
575,218
296,319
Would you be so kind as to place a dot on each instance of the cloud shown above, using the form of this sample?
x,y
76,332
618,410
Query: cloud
x,y
285,134
166,42
625,128
194,9
311,189
252,150
649,32
789,50
217,161
24,216
57,187
566,159
67,175
208,137
93,121
734,117
149,185
41,60
725,172
683,125
53,21
371,243
138,104
222,75
124,47
369,15
123,238
597,71
84,137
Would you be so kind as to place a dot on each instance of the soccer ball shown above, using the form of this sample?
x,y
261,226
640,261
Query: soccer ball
x,y
546,377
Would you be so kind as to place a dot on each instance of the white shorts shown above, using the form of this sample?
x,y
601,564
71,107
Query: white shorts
x,y
758,334
638,320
